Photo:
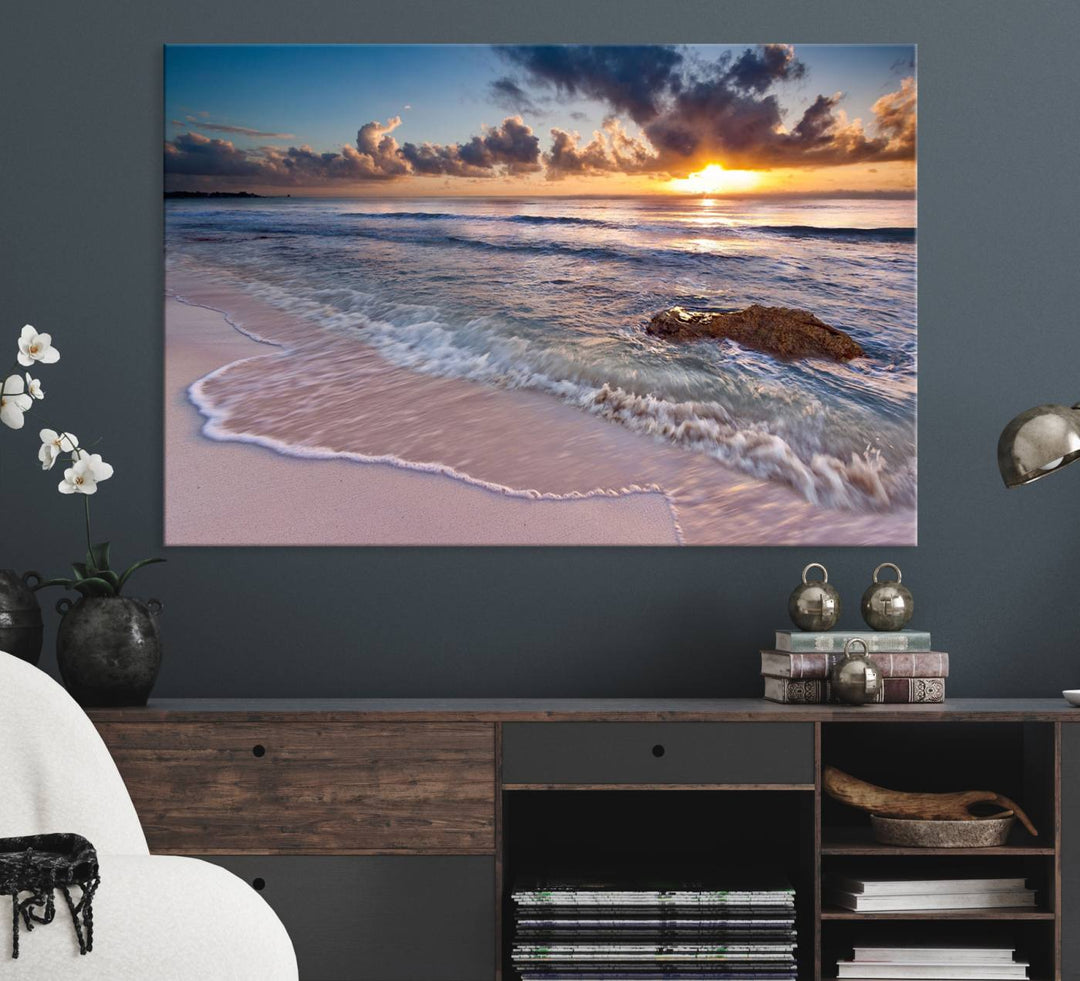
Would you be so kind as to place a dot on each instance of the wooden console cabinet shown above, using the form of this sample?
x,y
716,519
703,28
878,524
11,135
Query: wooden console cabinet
x,y
386,833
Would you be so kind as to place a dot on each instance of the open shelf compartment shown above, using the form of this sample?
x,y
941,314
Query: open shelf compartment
x,y
1033,939
707,835
1018,760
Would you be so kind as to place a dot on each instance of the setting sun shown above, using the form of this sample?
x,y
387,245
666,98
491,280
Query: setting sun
x,y
714,179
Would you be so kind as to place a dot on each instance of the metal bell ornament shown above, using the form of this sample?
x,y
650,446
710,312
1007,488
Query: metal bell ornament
x,y
855,679
887,605
814,605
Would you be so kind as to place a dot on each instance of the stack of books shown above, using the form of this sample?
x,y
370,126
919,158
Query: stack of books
x,y
941,963
796,671
579,931
903,894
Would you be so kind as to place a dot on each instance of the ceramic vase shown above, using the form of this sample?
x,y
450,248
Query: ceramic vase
x,y
21,629
109,649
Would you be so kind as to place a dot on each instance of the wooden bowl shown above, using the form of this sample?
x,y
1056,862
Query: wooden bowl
x,y
912,832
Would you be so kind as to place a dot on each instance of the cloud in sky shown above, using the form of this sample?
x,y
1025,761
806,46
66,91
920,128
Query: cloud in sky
x,y
727,113
896,115
756,69
509,95
196,155
628,78
508,149
669,113
611,150
202,123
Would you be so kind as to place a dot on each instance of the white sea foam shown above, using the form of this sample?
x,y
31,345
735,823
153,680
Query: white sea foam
x,y
474,352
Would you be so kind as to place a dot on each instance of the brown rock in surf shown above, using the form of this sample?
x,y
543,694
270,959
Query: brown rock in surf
x,y
779,331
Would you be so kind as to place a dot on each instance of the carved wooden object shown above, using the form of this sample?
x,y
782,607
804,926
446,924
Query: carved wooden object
x,y
901,804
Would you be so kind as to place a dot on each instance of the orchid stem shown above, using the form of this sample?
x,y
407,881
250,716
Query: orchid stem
x,y
89,547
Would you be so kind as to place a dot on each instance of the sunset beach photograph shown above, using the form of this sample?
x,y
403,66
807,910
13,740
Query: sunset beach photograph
x,y
540,294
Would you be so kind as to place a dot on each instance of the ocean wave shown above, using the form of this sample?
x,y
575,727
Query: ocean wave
x,y
601,252
426,239
616,249
883,234
791,445
860,482
465,216
725,230
824,231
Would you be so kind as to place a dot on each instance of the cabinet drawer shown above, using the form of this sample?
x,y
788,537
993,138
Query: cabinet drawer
x,y
229,788
381,918
696,753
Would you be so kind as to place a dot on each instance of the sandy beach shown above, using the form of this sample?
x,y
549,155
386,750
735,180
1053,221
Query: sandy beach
x,y
383,455
233,493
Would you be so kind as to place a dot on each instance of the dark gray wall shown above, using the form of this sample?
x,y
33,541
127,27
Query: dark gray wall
x,y
995,576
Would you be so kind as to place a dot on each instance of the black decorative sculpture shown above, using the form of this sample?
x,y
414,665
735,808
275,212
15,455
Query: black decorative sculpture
x,y
41,864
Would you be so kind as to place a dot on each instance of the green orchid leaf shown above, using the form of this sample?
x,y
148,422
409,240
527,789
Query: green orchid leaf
x,y
134,567
110,577
80,570
94,587
97,558
66,583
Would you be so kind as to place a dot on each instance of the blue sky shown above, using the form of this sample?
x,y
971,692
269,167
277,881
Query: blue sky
x,y
323,93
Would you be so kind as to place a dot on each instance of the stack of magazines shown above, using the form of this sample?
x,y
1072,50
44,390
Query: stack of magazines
x,y
578,931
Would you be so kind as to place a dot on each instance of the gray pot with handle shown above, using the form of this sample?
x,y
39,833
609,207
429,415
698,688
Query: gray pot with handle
x,y
21,628
109,649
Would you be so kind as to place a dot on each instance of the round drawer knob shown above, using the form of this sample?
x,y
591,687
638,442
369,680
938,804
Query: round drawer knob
x,y
658,751
258,884
258,750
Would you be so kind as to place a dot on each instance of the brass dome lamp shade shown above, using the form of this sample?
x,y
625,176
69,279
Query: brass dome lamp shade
x,y
1037,442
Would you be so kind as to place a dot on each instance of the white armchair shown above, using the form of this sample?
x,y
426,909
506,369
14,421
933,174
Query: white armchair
x,y
156,918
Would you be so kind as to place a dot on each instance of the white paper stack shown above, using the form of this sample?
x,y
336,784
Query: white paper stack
x,y
933,964
903,894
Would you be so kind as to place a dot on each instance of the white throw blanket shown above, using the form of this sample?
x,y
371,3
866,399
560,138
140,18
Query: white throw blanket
x,y
156,918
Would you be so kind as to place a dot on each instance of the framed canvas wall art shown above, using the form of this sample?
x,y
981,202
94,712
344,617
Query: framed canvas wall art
x,y
568,294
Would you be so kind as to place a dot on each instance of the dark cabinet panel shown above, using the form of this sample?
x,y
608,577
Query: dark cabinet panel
x,y
381,917
1070,852
764,753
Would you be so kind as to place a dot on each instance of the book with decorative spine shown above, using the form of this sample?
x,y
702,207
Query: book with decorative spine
x,y
833,641
895,691
816,664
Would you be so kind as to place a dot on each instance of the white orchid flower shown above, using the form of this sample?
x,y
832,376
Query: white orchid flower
x,y
14,401
53,444
33,387
83,476
36,347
